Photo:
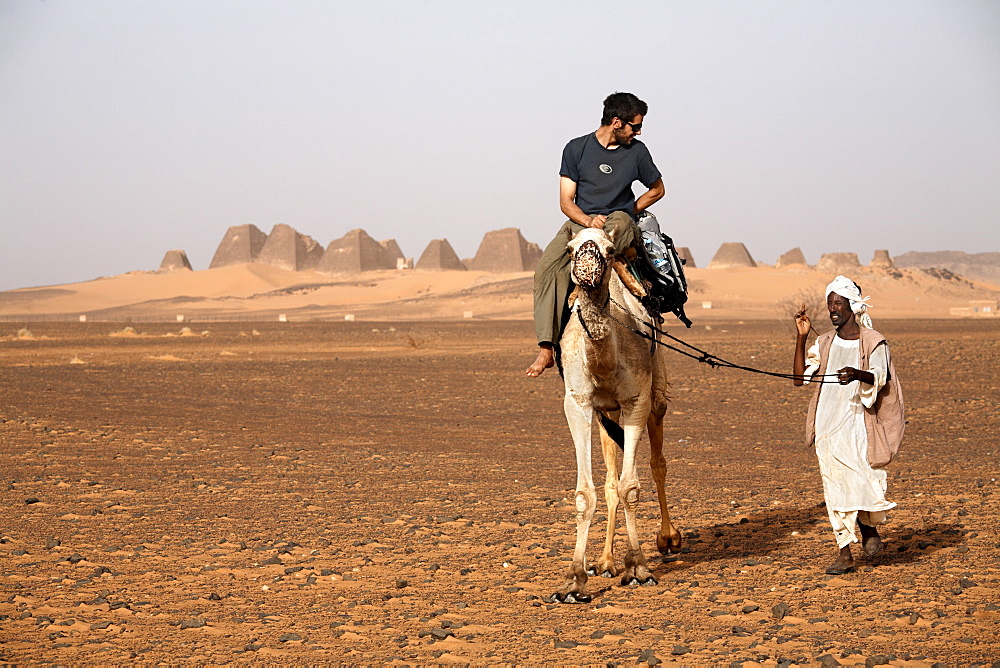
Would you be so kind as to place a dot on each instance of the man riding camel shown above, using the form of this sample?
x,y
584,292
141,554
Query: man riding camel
x,y
595,190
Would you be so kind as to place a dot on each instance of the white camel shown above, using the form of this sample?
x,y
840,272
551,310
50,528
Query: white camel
x,y
610,369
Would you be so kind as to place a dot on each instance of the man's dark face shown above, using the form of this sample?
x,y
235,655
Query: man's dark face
x,y
628,131
840,309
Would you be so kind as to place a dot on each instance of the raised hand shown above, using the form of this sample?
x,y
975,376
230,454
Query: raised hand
x,y
802,322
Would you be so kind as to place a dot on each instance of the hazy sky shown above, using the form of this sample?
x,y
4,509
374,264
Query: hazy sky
x,y
131,128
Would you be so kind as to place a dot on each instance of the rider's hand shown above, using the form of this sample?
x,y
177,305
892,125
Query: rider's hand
x,y
597,222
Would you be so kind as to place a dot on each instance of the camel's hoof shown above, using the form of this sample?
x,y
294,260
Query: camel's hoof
x,y
634,581
606,573
649,582
570,597
668,547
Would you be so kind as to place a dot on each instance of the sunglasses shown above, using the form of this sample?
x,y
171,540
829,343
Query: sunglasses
x,y
635,126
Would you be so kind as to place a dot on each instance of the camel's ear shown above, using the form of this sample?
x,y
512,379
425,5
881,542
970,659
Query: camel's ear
x,y
611,233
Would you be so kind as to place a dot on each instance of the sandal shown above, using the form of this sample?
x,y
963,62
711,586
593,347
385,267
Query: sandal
x,y
838,568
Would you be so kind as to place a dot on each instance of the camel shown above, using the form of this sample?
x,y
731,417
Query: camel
x,y
610,369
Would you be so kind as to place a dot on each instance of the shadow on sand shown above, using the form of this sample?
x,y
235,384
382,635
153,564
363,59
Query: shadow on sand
x,y
758,537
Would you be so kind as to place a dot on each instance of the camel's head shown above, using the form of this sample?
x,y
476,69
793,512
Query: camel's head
x,y
590,252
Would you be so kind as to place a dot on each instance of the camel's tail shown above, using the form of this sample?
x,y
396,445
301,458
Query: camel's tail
x,y
613,429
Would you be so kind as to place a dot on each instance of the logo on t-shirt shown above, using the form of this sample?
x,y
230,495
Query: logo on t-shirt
x,y
605,168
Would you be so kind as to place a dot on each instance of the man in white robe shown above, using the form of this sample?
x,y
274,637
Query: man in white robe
x,y
853,488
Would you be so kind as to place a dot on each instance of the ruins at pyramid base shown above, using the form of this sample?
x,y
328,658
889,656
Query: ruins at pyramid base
x,y
392,255
439,256
793,257
504,251
175,260
241,244
290,250
731,255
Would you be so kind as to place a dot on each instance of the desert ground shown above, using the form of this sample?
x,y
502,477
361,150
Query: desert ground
x,y
399,492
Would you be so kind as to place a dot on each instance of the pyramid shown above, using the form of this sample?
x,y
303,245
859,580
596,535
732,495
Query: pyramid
x,y
837,262
241,244
287,249
391,254
793,256
439,256
175,260
504,251
684,253
353,253
731,254
882,260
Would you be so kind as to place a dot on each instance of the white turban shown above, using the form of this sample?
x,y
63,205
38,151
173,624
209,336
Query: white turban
x,y
846,288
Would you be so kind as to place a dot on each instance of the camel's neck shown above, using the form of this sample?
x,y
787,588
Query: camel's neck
x,y
593,305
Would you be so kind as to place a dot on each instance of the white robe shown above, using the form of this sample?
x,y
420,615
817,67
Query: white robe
x,y
853,490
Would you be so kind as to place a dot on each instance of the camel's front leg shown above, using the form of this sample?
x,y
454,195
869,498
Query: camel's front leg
x,y
636,571
605,564
668,540
580,418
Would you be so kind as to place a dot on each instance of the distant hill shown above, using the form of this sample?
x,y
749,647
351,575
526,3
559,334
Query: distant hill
x,y
983,267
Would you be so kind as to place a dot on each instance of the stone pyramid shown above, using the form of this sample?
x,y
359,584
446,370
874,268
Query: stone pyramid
x,y
684,253
288,249
241,244
505,251
731,254
175,260
353,253
392,255
793,256
440,256
882,260
838,262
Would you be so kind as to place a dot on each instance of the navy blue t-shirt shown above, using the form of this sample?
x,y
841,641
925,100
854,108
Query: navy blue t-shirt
x,y
604,176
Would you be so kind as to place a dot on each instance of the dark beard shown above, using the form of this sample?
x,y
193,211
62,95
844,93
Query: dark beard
x,y
620,137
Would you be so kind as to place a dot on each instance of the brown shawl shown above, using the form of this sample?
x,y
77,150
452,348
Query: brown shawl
x,y
884,421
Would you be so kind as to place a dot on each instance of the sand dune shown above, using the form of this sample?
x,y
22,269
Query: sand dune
x,y
257,290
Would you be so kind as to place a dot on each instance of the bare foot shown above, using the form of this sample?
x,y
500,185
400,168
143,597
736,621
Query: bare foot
x,y
545,360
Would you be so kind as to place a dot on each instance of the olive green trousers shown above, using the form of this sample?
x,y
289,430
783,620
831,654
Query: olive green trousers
x,y
552,280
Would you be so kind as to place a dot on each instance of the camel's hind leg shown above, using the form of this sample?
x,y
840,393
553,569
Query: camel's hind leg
x,y
668,540
605,564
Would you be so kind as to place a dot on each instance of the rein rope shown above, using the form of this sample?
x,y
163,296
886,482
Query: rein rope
x,y
699,354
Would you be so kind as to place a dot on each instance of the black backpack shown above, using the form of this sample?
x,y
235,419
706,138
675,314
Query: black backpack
x,y
664,269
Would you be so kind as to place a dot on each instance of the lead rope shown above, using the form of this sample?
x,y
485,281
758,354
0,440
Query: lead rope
x,y
706,357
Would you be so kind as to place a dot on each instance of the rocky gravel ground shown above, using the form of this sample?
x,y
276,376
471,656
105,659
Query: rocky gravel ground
x,y
401,493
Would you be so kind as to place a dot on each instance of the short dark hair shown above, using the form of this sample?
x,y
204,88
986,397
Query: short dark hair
x,y
623,106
